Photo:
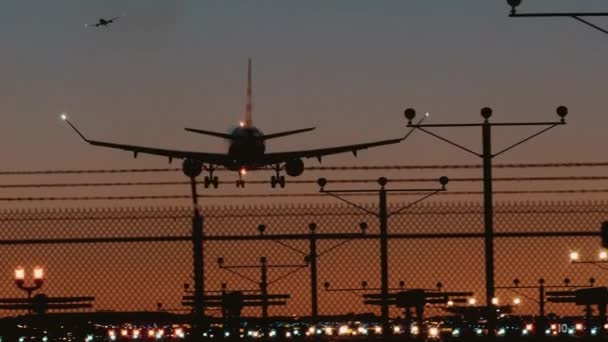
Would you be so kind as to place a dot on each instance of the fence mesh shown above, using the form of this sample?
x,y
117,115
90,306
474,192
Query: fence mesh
x,y
133,259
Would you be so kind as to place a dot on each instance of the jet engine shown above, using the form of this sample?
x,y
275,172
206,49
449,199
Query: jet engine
x,y
294,167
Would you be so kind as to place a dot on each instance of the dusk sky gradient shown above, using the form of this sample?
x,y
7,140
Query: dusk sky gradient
x,y
349,67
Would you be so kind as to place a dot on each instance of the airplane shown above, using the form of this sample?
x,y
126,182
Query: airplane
x,y
103,22
246,151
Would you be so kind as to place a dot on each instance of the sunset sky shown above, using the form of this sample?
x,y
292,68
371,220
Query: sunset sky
x,y
348,67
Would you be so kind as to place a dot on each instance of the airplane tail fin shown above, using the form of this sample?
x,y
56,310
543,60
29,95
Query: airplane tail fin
x,y
249,105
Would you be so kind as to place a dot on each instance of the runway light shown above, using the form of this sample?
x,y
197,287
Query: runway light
x,y
472,301
516,301
529,327
603,255
450,303
495,301
574,256
578,326
501,331
433,332
343,330
124,332
397,329
378,329
456,332
329,331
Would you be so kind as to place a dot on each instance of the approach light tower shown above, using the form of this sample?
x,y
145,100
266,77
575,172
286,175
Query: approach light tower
x,y
487,156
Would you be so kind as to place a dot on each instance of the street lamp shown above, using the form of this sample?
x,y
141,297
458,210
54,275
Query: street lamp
x,y
20,280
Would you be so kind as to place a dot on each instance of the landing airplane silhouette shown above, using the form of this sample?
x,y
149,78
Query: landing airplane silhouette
x,y
103,22
246,150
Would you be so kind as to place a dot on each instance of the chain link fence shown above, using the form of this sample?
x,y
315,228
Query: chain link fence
x,y
139,259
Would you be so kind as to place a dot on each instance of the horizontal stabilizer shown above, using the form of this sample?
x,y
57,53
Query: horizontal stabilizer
x,y
215,134
282,134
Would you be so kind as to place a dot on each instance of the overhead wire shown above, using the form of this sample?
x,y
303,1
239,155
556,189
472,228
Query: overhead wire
x,y
306,181
319,168
371,192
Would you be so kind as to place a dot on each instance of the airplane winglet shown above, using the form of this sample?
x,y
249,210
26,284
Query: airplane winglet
x,y
65,118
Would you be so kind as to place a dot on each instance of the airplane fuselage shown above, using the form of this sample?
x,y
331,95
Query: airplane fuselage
x,y
246,147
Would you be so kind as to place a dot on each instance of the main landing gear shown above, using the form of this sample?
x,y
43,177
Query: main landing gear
x,y
211,179
278,179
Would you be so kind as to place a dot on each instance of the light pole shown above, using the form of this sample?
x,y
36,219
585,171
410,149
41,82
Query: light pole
x,y
574,15
382,216
20,280
487,156
192,169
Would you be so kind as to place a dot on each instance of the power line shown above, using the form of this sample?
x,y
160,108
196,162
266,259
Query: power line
x,y
316,168
306,181
371,193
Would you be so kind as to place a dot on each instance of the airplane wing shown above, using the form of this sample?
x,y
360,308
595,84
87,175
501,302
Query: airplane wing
x,y
211,158
275,158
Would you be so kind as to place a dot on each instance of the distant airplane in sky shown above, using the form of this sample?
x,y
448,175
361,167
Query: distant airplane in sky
x,y
103,22
246,150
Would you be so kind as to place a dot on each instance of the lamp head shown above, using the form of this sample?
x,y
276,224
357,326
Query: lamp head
x,y
410,114
486,113
322,182
363,227
562,111
312,226
514,4
382,181
261,229
443,180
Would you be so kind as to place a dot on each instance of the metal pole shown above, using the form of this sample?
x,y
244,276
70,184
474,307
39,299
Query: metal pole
x,y
541,323
197,251
264,290
488,219
313,277
383,215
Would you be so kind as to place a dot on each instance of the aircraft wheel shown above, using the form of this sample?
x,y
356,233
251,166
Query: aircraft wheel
x,y
216,182
273,182
282,181
206,182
